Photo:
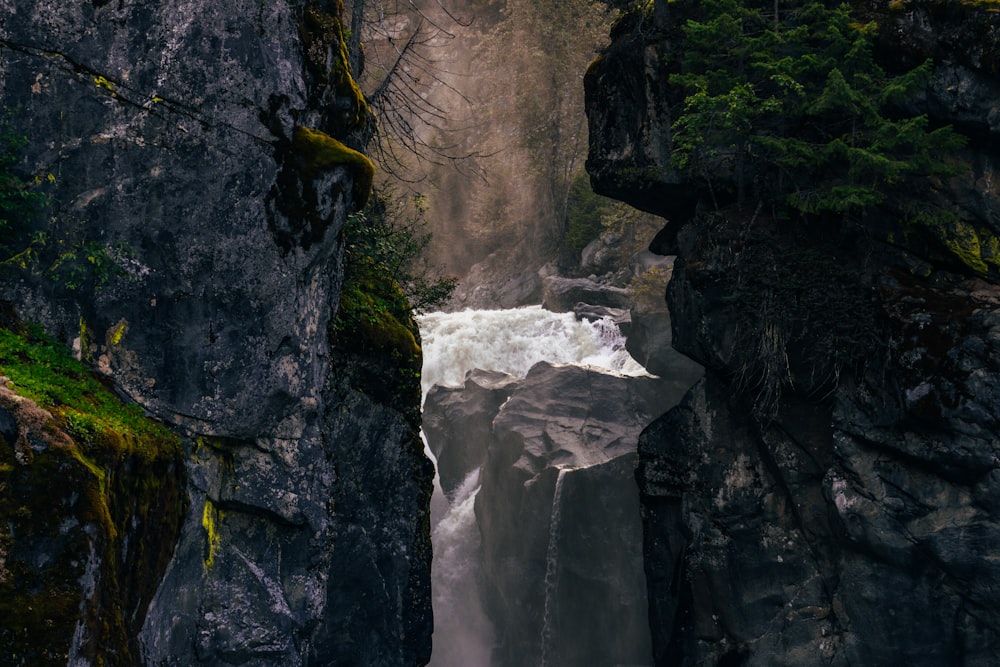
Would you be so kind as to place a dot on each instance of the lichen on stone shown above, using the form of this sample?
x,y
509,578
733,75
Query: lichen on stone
x,y
977,249
210,518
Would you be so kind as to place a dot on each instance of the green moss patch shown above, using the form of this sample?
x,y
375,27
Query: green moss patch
x,y
321,152
323,33
374,330
976,249
92,414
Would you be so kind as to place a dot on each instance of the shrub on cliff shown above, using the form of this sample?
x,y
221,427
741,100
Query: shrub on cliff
x,y
385,280
389,238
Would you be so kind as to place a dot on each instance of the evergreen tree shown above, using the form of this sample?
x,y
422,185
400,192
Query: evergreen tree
x,y
795,112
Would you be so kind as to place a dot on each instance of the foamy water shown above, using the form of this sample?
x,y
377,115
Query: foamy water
x,y
514,340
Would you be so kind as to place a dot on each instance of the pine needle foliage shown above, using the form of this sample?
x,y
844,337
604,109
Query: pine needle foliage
x,y
789,108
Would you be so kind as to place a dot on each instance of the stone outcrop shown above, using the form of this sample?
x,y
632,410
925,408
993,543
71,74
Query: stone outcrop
x,y
826,494
457,421
90,520
215,142
561,295
650,336
566,590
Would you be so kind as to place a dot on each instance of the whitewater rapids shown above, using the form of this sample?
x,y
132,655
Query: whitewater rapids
x,y
514,340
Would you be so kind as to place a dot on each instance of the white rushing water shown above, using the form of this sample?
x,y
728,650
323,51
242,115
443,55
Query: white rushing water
x,y
510,341
463,634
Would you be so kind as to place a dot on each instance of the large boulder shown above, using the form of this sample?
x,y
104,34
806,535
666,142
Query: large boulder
x,y
562,576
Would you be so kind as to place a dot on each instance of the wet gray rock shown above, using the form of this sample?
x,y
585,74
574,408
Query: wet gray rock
x,y
619,316
650,342
457,421
601,255
572,594
491,283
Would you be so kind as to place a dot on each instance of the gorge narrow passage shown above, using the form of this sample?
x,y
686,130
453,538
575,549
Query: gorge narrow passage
x,y
497,353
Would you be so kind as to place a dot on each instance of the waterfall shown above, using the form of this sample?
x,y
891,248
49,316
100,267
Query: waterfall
x,y
552,567
463,633
512,341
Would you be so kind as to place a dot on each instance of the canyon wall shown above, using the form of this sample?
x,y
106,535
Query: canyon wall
x,y
798,510
211,147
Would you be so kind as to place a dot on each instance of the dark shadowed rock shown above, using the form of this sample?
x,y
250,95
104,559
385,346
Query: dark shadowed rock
x,y
203,135
826,494
458,422
650,342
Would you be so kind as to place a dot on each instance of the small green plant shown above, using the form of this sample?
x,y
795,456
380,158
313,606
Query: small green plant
x,y
383,274
385,243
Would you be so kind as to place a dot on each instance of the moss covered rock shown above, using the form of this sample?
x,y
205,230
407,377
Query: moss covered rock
x,y
90,505
321,152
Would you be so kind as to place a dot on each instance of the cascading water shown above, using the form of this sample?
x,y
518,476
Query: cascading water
x,y
463,632
510,341
552,567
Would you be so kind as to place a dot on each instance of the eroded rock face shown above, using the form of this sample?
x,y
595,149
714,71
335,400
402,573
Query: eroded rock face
x,y
825,494
844,532
171,129
87,532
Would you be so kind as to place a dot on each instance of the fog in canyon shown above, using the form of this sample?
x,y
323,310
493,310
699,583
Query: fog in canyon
x,y
494,134
495,148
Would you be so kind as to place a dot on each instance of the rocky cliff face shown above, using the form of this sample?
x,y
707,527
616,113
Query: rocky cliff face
x,y
212,141
827,493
